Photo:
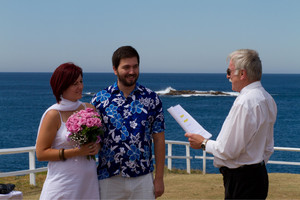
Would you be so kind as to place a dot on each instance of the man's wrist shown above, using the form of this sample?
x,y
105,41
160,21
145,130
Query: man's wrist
x,y
203,144
159,174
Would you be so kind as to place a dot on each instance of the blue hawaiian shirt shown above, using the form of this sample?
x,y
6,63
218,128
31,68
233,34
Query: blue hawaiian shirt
x,y
129,124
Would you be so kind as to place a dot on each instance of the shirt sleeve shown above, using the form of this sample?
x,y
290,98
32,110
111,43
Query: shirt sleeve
x,y
269,148
236,131
159,121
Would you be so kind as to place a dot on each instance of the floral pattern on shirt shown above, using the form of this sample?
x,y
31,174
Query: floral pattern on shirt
x,y
129,124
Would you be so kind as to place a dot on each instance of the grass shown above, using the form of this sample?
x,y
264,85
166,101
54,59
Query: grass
x,y
210,186
30,192
180,185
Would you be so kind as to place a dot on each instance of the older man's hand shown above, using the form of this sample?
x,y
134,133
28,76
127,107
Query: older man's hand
x,y
195,140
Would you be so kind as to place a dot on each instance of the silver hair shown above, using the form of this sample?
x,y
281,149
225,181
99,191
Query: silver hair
x,y
248,60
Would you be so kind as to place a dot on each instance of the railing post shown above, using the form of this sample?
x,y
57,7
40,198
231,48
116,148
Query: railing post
x,y
188,161
32,166
204,163
170,156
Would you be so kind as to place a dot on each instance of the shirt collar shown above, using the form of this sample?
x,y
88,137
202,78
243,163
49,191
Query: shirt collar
x,y
137,88
251,86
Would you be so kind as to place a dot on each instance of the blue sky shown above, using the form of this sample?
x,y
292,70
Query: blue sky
x,y
184,36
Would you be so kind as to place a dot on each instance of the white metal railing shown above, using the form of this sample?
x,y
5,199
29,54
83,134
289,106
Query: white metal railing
x,y
187,154
204,158
32,170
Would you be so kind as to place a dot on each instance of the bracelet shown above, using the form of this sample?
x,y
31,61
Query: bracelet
x,y
61,154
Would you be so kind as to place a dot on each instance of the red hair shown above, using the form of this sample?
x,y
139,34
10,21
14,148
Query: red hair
x,y
64,76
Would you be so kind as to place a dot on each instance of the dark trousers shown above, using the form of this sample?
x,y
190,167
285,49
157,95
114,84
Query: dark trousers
x,y
246,182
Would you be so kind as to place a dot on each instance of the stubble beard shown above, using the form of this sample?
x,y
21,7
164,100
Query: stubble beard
x,y
126,83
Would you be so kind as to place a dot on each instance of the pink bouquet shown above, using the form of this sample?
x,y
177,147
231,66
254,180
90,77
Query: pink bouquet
x,y
84,127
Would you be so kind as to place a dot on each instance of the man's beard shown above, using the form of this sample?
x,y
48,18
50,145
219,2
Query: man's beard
x,y
126,83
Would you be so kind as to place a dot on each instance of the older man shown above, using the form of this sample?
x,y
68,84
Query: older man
x,y
245,142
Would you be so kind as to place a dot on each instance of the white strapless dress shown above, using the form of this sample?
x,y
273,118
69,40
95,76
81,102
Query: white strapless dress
x,y
75,178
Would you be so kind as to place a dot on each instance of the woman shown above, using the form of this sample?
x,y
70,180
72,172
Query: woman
x,y
70,174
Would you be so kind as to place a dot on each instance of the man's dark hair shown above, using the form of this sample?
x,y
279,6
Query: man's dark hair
x,y
124,52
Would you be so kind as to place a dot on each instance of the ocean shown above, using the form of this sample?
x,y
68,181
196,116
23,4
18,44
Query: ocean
x,y
25,96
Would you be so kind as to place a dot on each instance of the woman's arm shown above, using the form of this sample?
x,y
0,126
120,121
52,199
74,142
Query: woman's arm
x,y
49,127
46,136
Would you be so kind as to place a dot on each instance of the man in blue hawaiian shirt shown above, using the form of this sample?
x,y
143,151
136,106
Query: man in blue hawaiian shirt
x,y
132,116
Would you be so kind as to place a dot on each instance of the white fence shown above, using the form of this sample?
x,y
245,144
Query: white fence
x,y
32,170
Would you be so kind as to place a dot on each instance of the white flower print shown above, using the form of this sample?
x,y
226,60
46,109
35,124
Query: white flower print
x,y
145,101
132,165
133,124
122,150
136,140
105,119
126,113
148,90
152,105
157,100
120,101
117,139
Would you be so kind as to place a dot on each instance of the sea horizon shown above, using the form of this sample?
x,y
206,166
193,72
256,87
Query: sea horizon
x,y
270,73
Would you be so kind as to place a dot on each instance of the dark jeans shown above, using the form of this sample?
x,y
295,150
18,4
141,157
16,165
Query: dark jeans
x,y
246,182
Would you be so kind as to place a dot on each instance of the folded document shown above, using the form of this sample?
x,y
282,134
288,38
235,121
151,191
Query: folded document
x,y
187,122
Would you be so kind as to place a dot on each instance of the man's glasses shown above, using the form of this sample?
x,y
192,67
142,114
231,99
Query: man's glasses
x,y
229,71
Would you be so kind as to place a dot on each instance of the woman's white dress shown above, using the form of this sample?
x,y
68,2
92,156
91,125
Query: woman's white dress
x,y
74,178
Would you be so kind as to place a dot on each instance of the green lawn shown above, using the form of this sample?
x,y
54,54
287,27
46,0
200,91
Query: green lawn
x,y
179,185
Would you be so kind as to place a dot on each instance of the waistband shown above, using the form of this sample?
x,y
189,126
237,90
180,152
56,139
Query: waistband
x,y
243,167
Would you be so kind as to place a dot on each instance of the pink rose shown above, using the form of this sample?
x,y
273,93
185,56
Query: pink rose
x,y
81,121
75,128
98,122
89,110
90,122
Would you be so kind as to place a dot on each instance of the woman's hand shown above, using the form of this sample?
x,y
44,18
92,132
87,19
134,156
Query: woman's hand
x,y
89,149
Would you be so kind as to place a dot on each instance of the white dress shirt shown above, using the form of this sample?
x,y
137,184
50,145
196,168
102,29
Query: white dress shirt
x,y
246,136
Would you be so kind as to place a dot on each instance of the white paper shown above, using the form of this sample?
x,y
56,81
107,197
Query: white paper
x,y
187,122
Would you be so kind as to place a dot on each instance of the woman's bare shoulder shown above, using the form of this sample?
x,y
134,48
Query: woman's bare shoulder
x,y
52,114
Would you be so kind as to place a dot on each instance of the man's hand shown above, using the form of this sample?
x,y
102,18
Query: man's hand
x,y
159,187
195,140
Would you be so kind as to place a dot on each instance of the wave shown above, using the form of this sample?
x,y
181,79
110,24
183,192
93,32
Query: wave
x,y
169,91
88,94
